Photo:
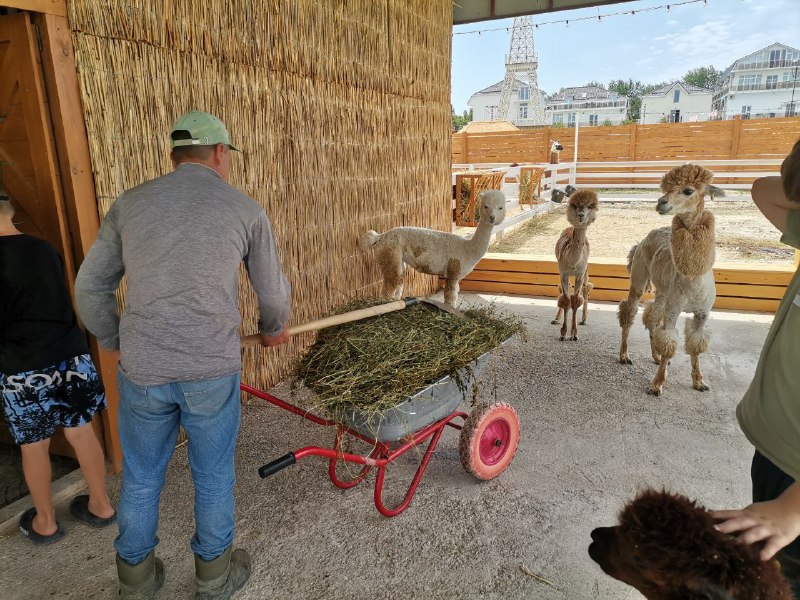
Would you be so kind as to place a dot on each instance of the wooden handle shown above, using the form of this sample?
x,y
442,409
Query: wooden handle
x,y
354,315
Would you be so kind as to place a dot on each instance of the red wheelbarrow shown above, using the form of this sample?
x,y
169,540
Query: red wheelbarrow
x,y
488,440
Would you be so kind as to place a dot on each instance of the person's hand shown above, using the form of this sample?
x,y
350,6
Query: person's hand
x,y
275,340
775,522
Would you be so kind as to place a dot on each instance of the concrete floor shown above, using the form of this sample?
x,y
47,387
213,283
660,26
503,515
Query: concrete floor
x,y
591,437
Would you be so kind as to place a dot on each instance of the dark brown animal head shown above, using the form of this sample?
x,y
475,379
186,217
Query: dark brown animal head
x,y
667,548
582,208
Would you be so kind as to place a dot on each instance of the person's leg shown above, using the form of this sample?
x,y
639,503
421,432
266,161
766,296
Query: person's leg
x,y
82,396
38,473
28,407
148,428
93,466
210,415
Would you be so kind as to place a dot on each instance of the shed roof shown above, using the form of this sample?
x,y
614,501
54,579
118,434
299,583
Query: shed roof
x,y
488,126
471,11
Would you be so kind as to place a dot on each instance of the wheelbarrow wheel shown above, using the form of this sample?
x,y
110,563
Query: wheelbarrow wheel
x,y
489,440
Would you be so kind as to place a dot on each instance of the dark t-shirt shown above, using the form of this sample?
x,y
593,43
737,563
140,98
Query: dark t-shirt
x,y
38,327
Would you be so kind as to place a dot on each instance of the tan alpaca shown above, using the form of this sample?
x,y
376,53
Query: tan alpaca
x,y
435,252
572,254
677,260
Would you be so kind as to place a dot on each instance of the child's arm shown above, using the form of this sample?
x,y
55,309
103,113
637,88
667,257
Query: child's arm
x,y
771,201
776,522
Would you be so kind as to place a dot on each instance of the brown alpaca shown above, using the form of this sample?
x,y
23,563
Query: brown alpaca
x,y
572,254
677,261
667,548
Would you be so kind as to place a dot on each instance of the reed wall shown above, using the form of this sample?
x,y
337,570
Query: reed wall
x,y
342,108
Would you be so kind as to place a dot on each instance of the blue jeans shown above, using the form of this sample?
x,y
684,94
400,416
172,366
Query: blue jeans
x,y
148,420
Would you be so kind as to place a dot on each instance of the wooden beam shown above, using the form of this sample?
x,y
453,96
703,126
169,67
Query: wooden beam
x,y
48,7
69,129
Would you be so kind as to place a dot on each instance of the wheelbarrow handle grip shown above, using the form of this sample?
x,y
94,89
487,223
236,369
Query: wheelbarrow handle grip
x,y
276,465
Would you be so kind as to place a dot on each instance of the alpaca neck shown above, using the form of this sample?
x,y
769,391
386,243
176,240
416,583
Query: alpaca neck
x,y
692,242
479,242
553,157
579,237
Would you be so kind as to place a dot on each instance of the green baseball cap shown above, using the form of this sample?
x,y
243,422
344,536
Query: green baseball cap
x,y
198,128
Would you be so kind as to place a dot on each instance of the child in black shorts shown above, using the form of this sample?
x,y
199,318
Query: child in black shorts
x,y
47,378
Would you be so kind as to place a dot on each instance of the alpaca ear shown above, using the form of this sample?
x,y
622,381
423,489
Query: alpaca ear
x,y
714,191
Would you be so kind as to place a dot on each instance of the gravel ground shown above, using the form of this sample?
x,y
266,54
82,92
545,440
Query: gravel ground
x,y
591,437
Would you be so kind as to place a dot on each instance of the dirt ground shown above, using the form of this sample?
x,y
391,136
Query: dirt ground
x,y
743,234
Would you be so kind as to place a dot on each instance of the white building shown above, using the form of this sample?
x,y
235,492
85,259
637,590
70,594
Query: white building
x,y
588,105
486,103
676,103
762,84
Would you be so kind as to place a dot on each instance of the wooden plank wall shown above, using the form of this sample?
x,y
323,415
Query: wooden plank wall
x,y
728,140
739,286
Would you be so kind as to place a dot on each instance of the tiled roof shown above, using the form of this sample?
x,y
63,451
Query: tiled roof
x,y
690,89
590,91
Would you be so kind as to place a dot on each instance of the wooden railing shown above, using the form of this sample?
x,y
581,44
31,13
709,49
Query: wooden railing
x,y
740,286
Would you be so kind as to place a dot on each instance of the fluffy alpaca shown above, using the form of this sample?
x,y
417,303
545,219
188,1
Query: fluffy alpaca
x,y
667,548
555,151
572,254
677,261
435,252
558,195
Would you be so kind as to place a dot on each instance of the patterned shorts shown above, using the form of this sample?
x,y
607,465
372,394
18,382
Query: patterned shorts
x,y
38,401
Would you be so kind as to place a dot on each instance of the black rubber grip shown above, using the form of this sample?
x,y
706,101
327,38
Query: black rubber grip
x,y
276,465
412,301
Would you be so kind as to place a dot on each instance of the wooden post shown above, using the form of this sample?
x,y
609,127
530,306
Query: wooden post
x,y
632,147
466,148
737,130
61,82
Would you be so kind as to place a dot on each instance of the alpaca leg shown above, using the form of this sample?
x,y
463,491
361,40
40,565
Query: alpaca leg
x,y
564,304
697,342
626,313
557,318
452,277
587,287
390,262
653,318
665,342
575,301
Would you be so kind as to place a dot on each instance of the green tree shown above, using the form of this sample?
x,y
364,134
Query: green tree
x,y
704,77
634,90
460,120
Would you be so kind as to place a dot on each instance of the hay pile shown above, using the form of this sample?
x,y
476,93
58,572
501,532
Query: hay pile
x,y
376,363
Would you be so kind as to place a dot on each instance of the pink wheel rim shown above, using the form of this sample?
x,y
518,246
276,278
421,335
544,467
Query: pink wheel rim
x,y
494,442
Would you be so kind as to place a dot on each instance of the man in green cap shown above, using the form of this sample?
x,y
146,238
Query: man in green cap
x,y
180,239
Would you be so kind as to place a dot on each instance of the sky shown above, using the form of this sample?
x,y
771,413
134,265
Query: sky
x,y
650,47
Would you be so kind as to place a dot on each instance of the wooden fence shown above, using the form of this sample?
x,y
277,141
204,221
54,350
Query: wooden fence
x,y
733,139
739,286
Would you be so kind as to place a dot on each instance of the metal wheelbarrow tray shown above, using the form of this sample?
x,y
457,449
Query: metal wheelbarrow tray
x,y
487,443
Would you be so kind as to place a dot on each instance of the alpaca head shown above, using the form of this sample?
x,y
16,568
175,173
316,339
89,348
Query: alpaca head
x,y
555,146
582,208
492,206
684,188
667,548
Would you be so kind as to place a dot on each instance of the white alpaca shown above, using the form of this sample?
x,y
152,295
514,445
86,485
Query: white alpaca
x,y
435,252
555,151
678,261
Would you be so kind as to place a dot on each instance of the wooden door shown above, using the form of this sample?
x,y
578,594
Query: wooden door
x,y
27,150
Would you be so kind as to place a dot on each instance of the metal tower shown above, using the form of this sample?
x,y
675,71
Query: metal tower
x,y
522,60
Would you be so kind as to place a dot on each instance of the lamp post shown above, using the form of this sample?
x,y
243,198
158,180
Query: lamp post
x,y
794,85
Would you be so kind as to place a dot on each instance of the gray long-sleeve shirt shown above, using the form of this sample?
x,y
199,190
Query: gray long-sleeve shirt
x,y
180,239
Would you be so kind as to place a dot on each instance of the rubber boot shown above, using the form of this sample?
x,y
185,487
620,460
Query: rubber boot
x,y
219,578
140,581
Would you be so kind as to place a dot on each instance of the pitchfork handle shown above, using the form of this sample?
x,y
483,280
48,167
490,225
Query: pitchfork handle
x,y
276,465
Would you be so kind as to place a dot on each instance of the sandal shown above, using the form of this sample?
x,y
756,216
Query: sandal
x,y
79,507
26,528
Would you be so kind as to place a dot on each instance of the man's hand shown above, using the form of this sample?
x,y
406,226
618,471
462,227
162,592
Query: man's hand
x,y
275,340
776,522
